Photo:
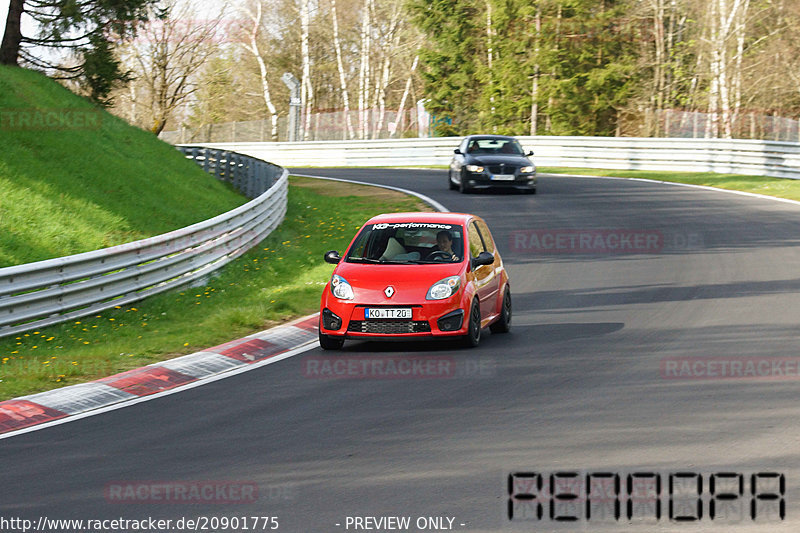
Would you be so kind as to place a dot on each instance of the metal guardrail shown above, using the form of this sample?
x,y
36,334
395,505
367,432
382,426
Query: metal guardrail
x,y
47,292
762,158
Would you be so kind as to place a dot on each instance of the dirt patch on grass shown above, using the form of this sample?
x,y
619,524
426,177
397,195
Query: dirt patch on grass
x,y
338,188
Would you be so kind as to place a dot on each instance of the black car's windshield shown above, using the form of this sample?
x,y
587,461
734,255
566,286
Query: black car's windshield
x,y
494,146
408,243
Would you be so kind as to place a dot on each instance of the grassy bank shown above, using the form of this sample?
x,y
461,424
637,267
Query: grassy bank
x,y
778,187
74,178
280,279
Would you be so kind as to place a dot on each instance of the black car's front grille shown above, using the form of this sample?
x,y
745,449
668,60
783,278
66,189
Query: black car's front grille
x,y
502,169
389,327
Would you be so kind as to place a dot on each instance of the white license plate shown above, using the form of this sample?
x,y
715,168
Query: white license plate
x,y
503,177
400,312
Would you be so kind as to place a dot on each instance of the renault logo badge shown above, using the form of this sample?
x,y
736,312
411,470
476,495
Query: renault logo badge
x,y
388,291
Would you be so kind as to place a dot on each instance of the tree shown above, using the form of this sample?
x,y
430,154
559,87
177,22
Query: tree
x,y
84,30
449,68
168,53
252,46
492,65
337,44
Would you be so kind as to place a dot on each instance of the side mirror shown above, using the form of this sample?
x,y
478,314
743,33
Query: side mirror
x,y
332,257
457,151
530,153
484,258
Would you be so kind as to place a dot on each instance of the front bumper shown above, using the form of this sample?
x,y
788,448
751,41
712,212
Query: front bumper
x,y
484,180
428,320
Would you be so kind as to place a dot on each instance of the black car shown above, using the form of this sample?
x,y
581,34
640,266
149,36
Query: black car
x,y
491,161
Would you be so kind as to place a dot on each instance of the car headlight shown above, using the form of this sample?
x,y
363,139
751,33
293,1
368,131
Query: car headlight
x,y
341,289
527,170
444,288
474,168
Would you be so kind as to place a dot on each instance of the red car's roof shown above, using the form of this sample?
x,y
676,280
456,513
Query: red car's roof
x,y
438,218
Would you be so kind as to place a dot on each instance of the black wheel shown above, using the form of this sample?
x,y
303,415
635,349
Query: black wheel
x,y
330,343
452,186
503,324
473,336
462,186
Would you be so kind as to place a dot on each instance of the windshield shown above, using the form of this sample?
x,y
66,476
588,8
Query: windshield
x,y
495,146
411,243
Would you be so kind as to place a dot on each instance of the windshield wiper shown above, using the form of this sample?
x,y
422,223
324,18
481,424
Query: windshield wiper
x,y
386,261
363,260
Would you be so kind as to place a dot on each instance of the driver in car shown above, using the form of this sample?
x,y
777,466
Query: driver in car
x,y
444,243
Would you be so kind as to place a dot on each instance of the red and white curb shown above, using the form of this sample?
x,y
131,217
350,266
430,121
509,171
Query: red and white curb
x,y
27,413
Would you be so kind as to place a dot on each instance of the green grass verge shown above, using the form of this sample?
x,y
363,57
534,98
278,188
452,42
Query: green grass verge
x,y
778,187
74,178
280,279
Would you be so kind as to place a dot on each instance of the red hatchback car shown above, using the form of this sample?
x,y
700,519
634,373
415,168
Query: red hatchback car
x,y
416,276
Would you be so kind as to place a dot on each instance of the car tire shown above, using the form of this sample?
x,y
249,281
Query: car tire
x,y
462,186
328,342
473,336
452,186
503,324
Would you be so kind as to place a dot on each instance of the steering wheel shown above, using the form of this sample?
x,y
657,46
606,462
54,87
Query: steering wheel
x,y
437,255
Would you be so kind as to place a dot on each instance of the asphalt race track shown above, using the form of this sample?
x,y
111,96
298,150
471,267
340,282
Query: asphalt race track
x,y
654,338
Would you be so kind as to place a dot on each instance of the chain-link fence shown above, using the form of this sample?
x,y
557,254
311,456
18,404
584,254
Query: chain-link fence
x,y
694,124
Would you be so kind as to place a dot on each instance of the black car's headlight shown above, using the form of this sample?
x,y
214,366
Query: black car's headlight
x,y
474,168
527,170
